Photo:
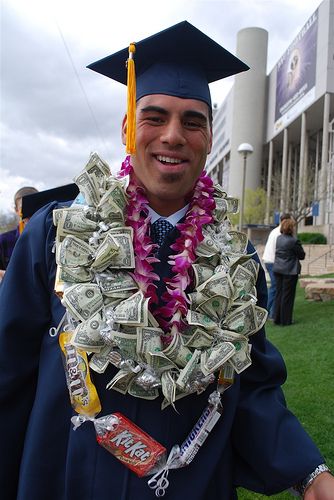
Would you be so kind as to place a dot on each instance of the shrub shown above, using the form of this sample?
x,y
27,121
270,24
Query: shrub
x,y
312,238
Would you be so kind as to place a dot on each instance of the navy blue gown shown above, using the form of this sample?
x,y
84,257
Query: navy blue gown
x,y
256,444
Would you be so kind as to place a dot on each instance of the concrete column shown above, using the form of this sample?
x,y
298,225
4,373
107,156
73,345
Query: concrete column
x,y
288,183
301,193
249,108
295,190
284,170
324,162
269,180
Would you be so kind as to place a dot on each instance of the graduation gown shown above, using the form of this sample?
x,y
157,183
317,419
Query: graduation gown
x,y
256,443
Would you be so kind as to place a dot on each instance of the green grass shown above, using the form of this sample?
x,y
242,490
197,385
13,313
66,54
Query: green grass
x,y
308,350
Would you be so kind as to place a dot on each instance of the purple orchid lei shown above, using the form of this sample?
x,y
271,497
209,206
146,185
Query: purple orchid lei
x,y
171,316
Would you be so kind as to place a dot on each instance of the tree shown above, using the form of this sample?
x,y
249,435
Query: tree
x,y
255,207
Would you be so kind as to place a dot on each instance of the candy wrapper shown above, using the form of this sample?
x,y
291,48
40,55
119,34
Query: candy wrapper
x,y
144,455
83,394
127,442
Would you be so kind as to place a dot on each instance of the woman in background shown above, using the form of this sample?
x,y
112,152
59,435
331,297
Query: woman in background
x,y
289,252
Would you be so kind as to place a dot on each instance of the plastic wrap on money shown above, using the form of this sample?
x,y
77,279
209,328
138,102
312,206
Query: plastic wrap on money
x,y
83,394
127,442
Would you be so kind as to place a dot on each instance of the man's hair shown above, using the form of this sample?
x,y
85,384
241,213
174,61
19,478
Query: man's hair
x,y
285,216
287,226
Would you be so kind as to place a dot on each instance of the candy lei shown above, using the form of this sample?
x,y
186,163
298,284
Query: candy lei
x,y
196,334
171,315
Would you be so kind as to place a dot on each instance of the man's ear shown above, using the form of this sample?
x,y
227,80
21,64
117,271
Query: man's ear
x,y
210,142
124,123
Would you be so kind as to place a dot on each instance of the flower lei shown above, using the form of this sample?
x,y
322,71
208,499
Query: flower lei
x,y
222,307
200,213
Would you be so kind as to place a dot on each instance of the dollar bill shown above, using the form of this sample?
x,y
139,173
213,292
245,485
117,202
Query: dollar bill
x,y
121,381
113,203
87,334
238,242
241,359
168,386
186,373
124,258
127,344
220,211
160,363
72,221
218,284
112,282
196,299
242,319
132,311
177,352
207,247
243,281
105,253
199,319
200,339
138,391
261,317
202,273
253,267
215,307
232,205
83,300
211,361
88,188
74,274
101,360
99,171
73,252
148,341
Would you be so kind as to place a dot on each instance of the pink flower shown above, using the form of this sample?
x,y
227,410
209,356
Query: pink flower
x,y
171,316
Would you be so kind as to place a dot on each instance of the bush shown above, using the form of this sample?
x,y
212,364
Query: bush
x,y
312,238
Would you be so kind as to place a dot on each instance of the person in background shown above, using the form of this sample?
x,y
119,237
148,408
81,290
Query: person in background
x,y
9,238
287,267
268,260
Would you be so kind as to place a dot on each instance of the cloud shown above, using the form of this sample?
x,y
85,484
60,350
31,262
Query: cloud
x,y
54,111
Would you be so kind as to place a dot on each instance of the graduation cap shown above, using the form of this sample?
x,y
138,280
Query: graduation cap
x,y
179,61
33,202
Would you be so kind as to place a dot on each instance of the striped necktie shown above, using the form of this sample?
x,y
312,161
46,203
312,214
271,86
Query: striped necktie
x,y
159,230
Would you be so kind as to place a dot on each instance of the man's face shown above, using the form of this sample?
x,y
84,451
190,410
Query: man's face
x,y
173,140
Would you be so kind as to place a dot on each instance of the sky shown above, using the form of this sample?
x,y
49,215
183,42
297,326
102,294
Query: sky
x,y
54,111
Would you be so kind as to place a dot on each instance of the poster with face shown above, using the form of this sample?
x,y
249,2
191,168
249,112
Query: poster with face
x,y
296,75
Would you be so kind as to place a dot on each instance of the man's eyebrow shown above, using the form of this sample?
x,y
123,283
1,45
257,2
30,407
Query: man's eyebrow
x,y
191,113
154,109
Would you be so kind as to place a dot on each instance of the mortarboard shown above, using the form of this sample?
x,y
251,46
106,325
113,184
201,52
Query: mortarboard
x,y
33,202
179,61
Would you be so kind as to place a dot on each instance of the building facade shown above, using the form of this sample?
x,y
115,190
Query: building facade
x,y
288,118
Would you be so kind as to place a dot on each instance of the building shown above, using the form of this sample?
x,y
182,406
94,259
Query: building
x,y
288,118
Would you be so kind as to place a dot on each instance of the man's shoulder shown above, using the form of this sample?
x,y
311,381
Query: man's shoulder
x,y
9,236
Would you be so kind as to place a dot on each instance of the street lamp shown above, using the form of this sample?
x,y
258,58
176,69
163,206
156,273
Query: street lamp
x,y
244,149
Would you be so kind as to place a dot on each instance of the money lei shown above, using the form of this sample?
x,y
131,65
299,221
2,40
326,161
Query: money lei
x,y
105,277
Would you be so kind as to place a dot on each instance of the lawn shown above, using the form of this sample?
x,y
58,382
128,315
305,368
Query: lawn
x,y
308,350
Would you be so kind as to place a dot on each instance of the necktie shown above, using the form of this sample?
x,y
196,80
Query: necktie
x,y
159,230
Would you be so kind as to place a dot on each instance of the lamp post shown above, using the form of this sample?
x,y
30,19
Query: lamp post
x,y
244,149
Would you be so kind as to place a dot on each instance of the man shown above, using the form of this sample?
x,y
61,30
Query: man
x,y
256,443
8,239
269,259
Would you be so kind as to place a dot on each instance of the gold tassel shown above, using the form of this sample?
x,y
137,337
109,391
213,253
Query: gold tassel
x,y
131,105
21,223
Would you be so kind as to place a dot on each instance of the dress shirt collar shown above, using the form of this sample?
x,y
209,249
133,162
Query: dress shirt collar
x,y
173,219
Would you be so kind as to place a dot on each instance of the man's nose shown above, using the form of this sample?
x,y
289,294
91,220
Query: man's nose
x,y
173,133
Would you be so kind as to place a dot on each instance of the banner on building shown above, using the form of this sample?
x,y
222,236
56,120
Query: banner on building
x,y
296,75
